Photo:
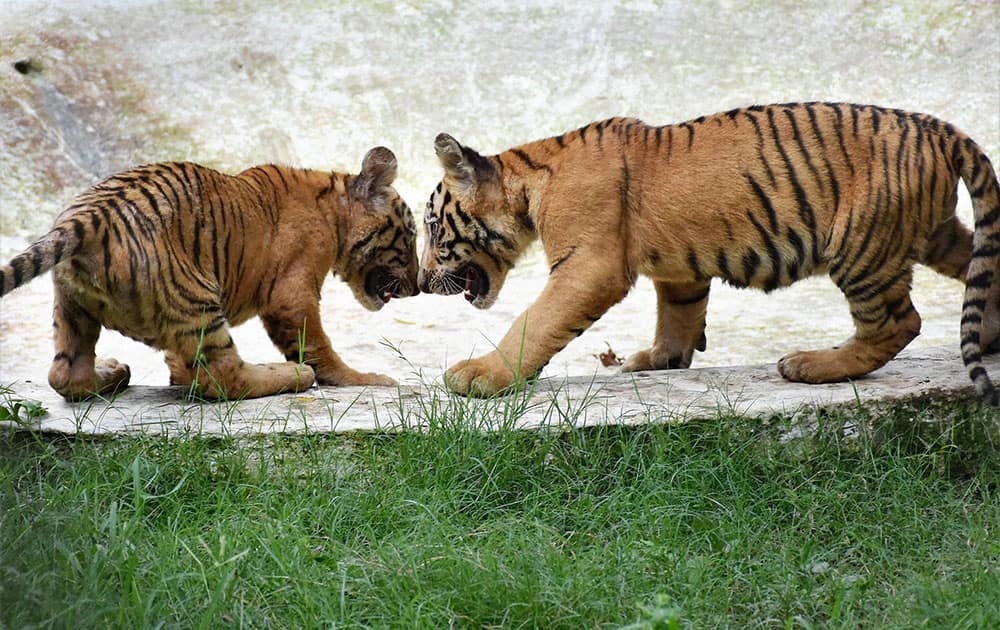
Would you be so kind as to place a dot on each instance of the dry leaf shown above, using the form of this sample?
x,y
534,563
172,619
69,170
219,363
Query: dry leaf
x,y
608,358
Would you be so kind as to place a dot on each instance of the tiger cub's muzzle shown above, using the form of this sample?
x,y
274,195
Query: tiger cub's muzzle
x,y
470,280
382,284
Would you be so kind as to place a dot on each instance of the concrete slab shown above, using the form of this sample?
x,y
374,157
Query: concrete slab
x,y
676,395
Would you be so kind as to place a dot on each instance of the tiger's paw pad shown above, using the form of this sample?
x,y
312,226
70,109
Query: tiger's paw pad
x,y
476,378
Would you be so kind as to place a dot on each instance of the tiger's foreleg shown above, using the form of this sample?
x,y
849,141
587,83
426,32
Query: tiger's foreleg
x,y
218,372
885,321
298,333
180,372
575,296
680,327
75,372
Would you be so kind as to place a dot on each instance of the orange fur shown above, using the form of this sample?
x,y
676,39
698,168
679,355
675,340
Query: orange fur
x,y
174,254
759,197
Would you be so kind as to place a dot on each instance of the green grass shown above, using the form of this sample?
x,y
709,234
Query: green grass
x,y
720,523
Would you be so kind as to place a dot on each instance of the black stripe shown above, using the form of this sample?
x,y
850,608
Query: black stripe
x,y
876,118
802,148
989,218
760,149
970,338
971,318
751,260
796,241
690,130
689,300
864,291
37,258
976,373
281,176
105,243
15,267
765,201
531,163
815,125
692,260
774,280
723,263
839,128
805,207
491,235
981,280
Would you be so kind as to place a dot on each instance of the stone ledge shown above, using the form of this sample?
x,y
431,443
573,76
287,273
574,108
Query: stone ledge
x,y
752,391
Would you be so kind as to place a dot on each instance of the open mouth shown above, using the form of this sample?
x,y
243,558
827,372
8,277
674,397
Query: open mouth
x,y
476,284
379,284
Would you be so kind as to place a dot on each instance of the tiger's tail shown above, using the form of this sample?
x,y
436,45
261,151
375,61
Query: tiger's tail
x,y
44,254
982,286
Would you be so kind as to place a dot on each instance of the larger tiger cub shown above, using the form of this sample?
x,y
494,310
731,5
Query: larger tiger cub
x,y
759,197
174,254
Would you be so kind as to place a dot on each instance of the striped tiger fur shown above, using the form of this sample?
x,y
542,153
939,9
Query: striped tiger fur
x,y
758,196
173,254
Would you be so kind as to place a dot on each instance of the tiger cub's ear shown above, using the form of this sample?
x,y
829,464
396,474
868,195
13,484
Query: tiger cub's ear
x,y
378,170
454,161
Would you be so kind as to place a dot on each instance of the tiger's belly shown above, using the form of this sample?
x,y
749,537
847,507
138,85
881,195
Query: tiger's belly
x,y
740,266
146,308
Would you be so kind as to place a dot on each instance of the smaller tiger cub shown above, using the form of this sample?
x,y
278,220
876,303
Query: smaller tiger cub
x,y
173,254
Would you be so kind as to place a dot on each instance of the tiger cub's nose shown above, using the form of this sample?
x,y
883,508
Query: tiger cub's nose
x,y
423,282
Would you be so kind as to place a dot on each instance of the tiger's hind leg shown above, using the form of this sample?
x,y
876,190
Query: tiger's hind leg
x,y
217,371
76,373
949,251
680,327
885,321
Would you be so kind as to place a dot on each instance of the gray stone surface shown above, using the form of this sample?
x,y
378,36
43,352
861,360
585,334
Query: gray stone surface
x,y
676,395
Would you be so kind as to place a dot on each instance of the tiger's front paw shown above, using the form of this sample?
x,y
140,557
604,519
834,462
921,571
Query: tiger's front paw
x,y
814,366
638,362
657,359
480,378
376,380
357,378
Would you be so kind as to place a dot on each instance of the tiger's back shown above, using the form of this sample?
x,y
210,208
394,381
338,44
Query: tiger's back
x,y
161,244
759,197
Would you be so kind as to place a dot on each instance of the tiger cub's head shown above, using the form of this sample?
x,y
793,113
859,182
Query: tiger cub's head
x,y
473,236
381,241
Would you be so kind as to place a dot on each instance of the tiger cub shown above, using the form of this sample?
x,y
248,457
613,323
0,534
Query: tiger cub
x,y
759,196
174,254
